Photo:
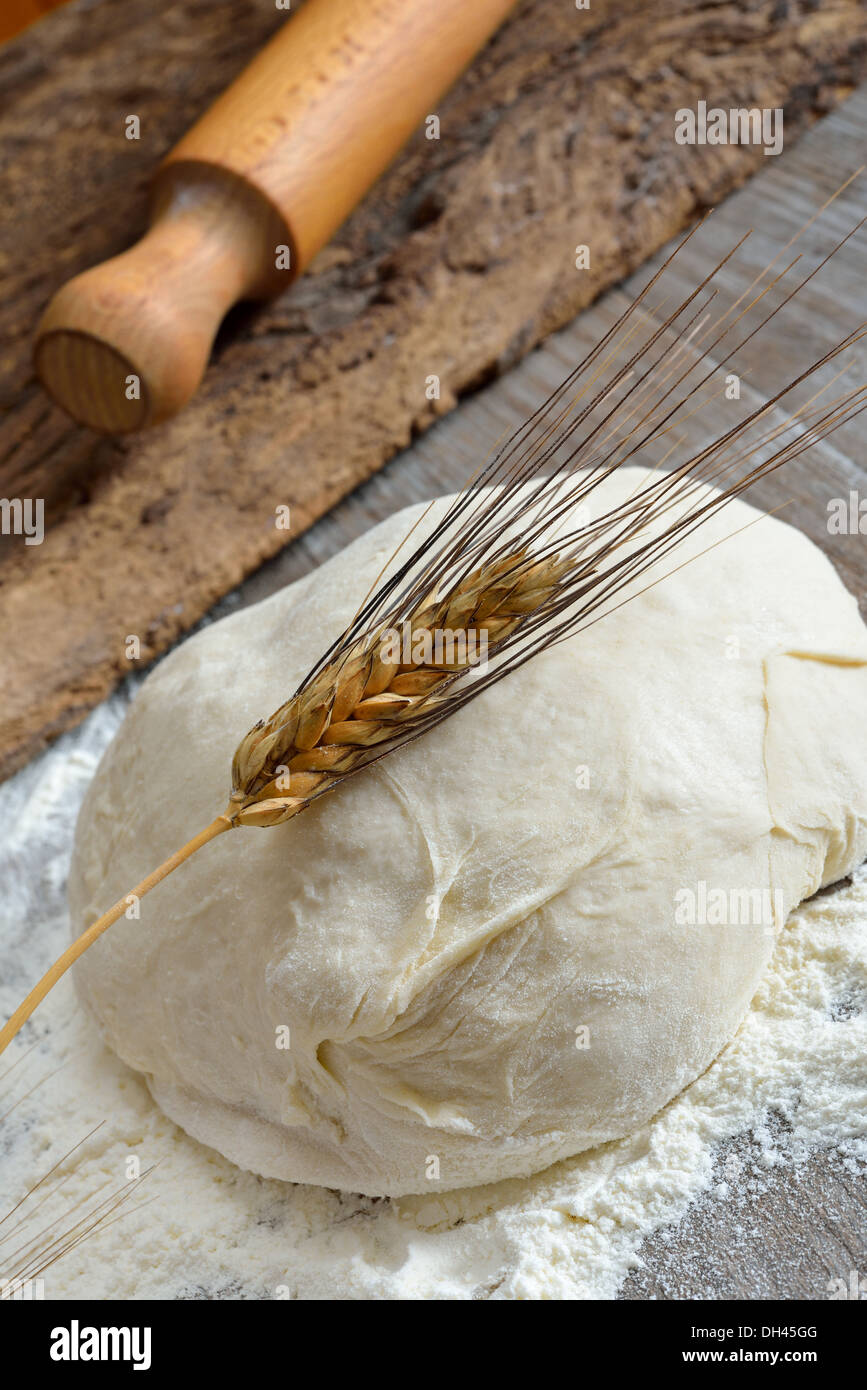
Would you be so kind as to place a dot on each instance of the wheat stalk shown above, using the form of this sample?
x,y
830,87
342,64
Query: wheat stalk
x,y
470,574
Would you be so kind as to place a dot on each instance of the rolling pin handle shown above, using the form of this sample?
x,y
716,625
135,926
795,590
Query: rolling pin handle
x,y
295,142
125,344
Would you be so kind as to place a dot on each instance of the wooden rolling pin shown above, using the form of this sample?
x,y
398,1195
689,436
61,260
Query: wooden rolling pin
x,y
279,160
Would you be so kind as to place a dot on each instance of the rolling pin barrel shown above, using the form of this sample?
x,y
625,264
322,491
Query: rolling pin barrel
x,y
243,203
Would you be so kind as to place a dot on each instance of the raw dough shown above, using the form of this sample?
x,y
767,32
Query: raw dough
x,y
481,947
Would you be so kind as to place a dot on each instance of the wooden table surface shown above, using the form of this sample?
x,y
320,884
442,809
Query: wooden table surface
x,y
806,1227
773,207
459,261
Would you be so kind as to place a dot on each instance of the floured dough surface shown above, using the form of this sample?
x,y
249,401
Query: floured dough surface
x,y
482,947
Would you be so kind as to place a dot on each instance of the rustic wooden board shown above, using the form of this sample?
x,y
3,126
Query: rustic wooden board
x,y
801,1229
459,262
774,207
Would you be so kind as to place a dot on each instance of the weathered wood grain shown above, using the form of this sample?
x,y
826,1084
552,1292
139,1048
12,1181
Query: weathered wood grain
x,y
784,1234
774,207
457,264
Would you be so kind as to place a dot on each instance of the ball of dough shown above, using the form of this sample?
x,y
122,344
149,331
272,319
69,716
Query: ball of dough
x,y
521,935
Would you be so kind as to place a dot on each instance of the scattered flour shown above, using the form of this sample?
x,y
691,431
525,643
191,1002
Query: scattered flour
x,y
194,1226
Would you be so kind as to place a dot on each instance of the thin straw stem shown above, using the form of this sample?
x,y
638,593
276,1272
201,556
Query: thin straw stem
x,y
87,938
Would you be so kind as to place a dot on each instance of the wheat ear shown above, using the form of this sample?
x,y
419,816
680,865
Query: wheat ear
x,y
357,704
355,708
362,702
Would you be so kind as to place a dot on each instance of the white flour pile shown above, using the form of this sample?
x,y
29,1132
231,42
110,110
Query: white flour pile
x,y
198,1227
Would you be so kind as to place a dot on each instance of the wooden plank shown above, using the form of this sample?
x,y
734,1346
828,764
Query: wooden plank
x,y
459,262
788,1239
776,204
